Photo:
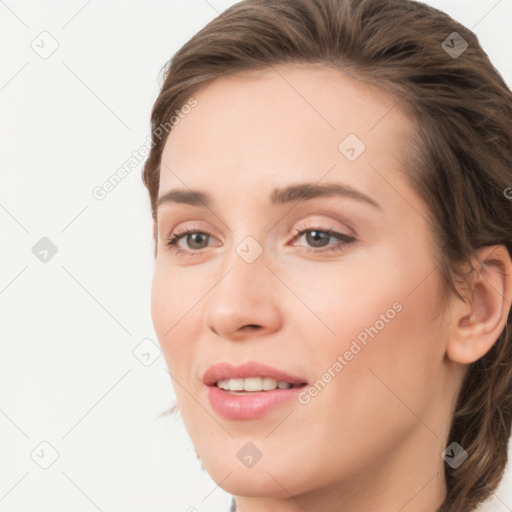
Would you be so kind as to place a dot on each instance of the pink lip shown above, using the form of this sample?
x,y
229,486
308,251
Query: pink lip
x,y
250,406
224,371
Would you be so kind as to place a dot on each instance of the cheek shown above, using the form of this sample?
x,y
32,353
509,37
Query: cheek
x,y
386,298
383,301
162,302
173,303
389,345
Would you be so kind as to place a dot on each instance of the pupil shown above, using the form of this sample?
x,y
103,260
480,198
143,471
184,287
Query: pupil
x,y
194,237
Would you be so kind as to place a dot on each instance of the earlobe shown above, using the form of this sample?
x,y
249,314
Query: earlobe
x,y
478,322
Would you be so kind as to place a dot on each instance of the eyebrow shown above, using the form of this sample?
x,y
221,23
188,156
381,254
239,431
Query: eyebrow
x,y
290,194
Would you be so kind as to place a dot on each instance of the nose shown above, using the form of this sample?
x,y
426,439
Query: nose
x,y
244,301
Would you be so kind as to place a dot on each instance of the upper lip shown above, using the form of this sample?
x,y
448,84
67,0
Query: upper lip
x,y
226,371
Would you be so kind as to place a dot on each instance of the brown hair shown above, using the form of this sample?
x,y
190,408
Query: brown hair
x,y
462,166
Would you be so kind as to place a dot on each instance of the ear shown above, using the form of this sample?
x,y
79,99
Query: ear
x,y
477,323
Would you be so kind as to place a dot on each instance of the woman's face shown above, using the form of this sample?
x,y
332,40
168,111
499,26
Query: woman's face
x,y
350,313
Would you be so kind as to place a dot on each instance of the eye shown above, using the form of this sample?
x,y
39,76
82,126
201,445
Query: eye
x,y
195,240
318,238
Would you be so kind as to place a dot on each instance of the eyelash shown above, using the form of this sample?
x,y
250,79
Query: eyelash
x,y
344,239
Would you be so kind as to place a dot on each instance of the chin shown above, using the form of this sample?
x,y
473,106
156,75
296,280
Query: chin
x,y
255,481
262,487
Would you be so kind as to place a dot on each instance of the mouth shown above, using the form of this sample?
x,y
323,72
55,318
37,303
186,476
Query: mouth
x,y
253,385
249,391
250,377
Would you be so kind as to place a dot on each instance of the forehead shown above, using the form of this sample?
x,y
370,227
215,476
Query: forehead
x,y
289,121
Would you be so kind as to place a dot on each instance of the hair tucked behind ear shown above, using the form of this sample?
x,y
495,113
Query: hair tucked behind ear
x,y
460,165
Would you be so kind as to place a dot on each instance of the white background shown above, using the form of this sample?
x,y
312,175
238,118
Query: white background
x,y
68,374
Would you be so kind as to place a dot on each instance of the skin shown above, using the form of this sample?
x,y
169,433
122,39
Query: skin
x,y
372,439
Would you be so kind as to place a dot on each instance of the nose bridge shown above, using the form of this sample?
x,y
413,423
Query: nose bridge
x,y
244,273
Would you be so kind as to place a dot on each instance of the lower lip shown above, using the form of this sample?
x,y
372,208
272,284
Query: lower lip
x,y
250,406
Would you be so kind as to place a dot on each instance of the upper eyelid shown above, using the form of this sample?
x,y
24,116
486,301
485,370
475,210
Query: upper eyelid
x,y
314,222
306,226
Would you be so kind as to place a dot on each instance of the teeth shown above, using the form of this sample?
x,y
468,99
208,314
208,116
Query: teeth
x,y
253,384
269,384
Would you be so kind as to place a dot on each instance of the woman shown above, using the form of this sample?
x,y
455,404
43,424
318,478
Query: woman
x,y
329,183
